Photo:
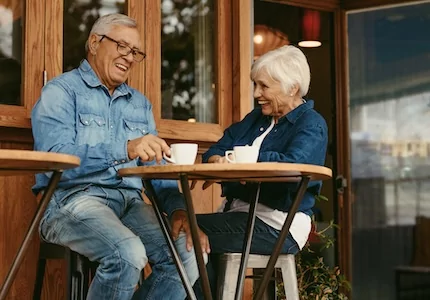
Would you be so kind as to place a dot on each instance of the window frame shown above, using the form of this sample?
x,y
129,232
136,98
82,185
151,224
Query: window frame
x,y
147,76
33,62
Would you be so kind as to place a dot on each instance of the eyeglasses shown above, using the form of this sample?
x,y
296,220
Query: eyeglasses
x,y
126,50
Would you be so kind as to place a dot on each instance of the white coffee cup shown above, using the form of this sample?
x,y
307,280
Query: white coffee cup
x,y
182,154
242,154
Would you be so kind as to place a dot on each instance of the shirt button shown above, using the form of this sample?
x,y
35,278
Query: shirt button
x,y
86,122
262,128
123,161
115,162
276,130
111,126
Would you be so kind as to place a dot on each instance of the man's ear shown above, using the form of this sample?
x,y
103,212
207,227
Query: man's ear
x,y
93,44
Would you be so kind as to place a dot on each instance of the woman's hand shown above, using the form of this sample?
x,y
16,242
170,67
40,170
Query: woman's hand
x,y
217,159
214,159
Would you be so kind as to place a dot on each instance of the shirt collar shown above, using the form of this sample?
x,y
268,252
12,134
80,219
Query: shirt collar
x,y
296,113
89,76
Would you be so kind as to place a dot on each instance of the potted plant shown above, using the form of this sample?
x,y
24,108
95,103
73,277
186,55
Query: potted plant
x,y
316,279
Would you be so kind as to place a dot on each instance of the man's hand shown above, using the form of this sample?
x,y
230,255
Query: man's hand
x,y
147,148
179,223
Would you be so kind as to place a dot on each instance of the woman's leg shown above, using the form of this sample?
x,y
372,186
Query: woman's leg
x,y
226,232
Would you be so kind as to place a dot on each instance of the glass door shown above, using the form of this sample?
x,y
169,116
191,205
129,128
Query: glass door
x,y
389,92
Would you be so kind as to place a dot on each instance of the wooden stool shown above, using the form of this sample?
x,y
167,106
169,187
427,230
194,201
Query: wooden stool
x,y
78,271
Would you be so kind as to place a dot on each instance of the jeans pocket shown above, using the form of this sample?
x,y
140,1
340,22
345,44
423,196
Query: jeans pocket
x,y
62,197
43,225
48,224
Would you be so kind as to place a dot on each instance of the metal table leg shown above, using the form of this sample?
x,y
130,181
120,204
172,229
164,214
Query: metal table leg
x,y
195,236
55,178
247,244
282,236
165,228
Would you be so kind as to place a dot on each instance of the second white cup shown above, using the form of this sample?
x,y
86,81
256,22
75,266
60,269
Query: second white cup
x,y
243,154
182,154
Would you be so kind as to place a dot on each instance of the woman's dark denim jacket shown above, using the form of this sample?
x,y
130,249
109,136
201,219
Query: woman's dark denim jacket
x,y
298,137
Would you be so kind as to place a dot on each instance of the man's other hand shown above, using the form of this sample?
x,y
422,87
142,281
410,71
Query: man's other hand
x,y
180,223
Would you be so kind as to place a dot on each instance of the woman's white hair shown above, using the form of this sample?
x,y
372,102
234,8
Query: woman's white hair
x,y
104,24
286,65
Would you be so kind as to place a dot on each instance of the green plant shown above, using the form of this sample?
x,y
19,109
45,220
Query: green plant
x,y
316,280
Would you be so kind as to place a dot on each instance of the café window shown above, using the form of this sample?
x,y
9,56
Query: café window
x,y
79,17
187,61
11,32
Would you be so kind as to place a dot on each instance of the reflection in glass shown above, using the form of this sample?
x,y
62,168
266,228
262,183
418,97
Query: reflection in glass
x,y
187,76
11,13
389,76
390,104
79,17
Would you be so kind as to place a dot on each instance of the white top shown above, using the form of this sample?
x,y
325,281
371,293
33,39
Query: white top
x,y
301,225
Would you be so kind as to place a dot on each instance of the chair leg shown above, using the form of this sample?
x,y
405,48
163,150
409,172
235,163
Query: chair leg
x,y
227,278
38,284
78,275
289,277
70,278
84,272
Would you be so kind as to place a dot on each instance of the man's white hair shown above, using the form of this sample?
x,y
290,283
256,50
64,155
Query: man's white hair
x,y
104,24
286,65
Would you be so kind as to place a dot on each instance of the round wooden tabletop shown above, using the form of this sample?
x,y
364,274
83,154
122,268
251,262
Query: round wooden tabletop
x,y
17,162
265,171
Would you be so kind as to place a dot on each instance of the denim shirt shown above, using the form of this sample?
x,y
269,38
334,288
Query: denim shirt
x,y
298,137
76,115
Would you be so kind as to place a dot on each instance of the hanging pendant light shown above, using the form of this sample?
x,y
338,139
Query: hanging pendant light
x,y
267,38
311,23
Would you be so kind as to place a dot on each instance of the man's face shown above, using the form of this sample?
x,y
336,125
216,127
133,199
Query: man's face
x,y
111,66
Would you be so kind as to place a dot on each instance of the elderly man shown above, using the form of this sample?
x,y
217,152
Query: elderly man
x,y
90,112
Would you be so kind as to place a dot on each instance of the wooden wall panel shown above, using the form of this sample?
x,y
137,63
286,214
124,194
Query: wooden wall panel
x,y
242,58
343,207
53,53
55,280
17,207
137,78
33,58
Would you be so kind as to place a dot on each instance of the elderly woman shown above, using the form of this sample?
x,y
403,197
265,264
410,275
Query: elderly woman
x,y
286,128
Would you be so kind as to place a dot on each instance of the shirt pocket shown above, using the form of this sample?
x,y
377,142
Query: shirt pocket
x,y
135,129
91,129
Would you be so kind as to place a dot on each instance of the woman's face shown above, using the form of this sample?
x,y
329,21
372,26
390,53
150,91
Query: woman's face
x,y
270,96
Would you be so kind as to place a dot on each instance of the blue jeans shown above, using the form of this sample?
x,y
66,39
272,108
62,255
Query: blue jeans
x,y
120,231
226,232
